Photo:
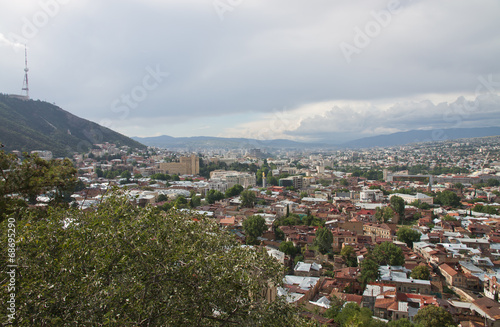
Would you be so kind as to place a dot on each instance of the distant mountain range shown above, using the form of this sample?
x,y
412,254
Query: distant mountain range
x,y
418,136
37,125
401,138
200,142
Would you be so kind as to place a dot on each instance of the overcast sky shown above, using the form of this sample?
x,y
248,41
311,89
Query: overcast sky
x,y
301,70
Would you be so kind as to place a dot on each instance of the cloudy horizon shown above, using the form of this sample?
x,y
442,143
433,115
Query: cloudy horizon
x,y
302,71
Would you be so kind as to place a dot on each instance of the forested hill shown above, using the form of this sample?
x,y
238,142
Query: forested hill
x,y
38,125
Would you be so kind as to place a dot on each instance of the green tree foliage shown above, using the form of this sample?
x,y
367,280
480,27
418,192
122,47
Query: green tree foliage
x,y
235,190
403,322
247,198
408,235
290,220
288,248
384,214
254,226
349,256
448,218
336,306
126,174
492,182
180,202
352,315
205,169
388,214
195,201
324,240
311,220
278,233
126,266
99,172
33,176
325,182
387,253
161,177
423,169
398,204
485,209
420,205
369,271
420,272
165,206
448,198
431,316
213,196
162,198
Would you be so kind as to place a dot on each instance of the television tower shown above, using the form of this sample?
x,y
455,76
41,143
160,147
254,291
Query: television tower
x,y
25,82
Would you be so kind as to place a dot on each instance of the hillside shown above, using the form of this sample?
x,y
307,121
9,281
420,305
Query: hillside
x,y
38,125
197,142
417,136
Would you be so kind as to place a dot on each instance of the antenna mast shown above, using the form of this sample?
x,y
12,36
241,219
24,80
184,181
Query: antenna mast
x,y
25,82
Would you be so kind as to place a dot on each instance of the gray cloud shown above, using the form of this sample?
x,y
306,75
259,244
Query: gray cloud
x,y
351,122
260,57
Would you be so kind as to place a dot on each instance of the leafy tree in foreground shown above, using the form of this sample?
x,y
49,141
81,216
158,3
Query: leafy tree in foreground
x,y
324,240
403,322
352,315
34,176
432,316
408,235
125,266
336,306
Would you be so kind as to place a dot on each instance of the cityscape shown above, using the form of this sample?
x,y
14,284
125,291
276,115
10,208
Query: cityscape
x,y
435,203
250,163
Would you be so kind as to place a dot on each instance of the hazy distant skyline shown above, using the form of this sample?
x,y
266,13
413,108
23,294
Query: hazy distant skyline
x,y
300,70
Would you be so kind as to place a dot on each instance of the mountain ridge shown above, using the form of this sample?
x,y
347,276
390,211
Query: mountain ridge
x,y
394,139
29,125
419,136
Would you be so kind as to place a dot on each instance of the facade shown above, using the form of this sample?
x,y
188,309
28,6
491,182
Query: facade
x,y
185,166
294,181
225,179
387,231
342,238
491,287
371,196
420,197
452,277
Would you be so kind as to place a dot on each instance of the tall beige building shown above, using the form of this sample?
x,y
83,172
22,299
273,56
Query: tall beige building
x,y
185,166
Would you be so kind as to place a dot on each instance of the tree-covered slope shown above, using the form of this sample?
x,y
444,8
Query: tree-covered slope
x,y
38,125
121,265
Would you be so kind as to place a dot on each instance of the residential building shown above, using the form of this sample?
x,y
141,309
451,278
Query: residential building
x,y
186,166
